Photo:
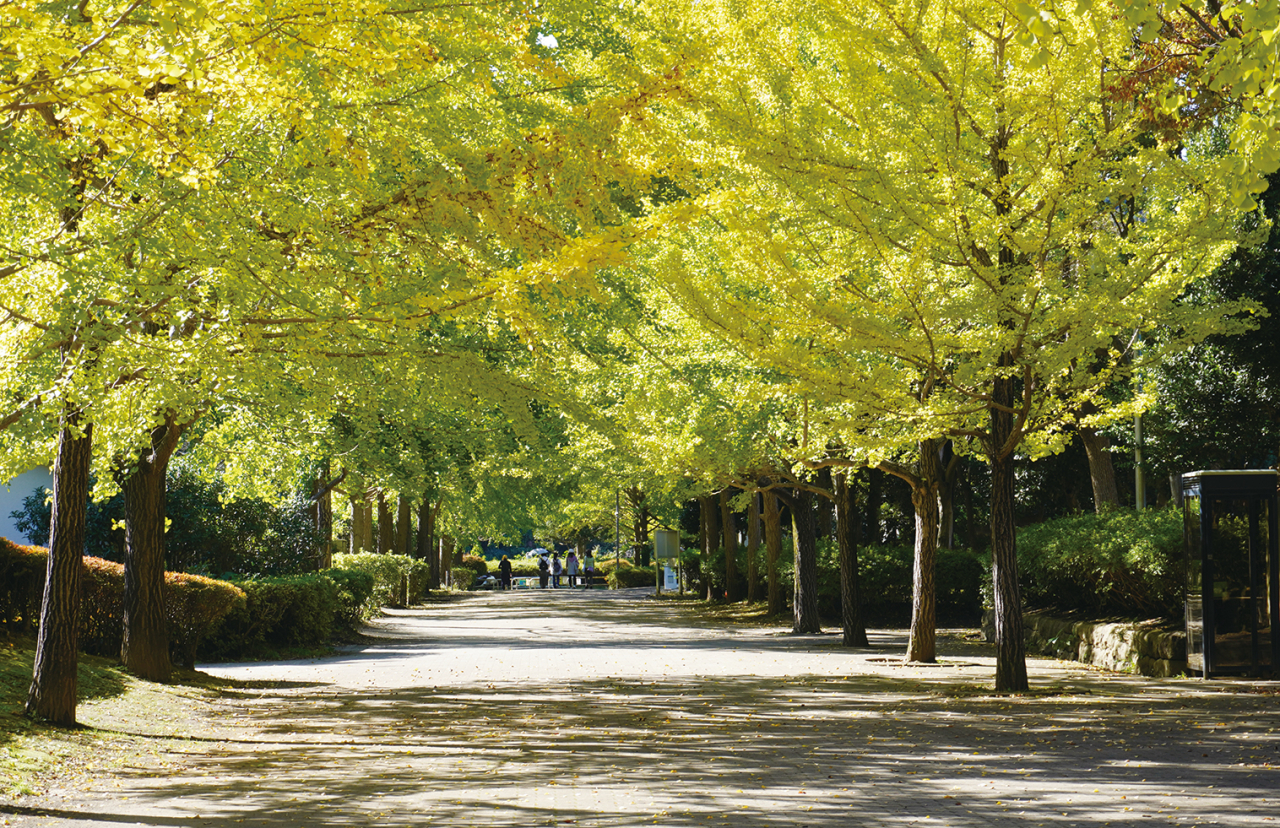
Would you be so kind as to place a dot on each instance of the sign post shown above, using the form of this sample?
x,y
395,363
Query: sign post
x,y
666,548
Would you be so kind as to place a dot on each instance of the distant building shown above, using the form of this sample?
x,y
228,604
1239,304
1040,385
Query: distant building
x,y
17,491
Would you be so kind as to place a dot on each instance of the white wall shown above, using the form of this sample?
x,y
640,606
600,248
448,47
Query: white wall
x,y
11,499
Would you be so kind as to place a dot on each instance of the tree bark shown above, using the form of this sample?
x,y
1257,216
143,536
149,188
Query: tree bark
x,y
773,551
145,648
322,510
386,527
922,646
52,695
1011,657
1102,471
753,548
847,520
805,597
951,468
711,526
366,526
730,534
402,525
357,527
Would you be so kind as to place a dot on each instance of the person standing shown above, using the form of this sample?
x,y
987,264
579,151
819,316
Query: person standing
x,y
504,573
555,570
544,571
588,568
571,568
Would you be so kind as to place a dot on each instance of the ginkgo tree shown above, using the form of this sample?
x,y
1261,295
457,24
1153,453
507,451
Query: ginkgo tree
x,y
193,190
924,216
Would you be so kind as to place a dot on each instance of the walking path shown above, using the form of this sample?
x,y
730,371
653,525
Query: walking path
x,y
610,709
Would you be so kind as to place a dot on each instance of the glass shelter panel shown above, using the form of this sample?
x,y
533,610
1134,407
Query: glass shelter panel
x,y
1240,561
1195,583
1230,525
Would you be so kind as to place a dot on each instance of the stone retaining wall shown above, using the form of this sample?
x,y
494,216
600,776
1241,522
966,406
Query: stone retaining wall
x,y
1150,648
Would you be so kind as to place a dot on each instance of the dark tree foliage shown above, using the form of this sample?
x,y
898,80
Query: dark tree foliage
x,y
1219,404
206,536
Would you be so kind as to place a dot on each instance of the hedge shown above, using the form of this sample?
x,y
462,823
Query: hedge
x,y
625,574
398,580
193,604
282,612
1123,562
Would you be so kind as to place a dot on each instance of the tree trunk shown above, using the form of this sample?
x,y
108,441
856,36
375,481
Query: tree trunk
x,y
847,519
922,646
753,548
1011,658
386,527
323,511
730,534
1102,472
824,510
145,648
951,469
773,551
805,598
402,525
357,530
711,524
427,541
446,560
970,522
52,695
875,496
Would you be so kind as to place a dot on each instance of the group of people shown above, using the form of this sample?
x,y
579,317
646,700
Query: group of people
x,y
574,571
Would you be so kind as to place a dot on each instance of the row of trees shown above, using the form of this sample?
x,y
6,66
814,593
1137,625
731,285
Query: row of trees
x,y
508,253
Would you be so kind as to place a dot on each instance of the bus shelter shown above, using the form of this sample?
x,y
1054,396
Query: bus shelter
x,y
1233,571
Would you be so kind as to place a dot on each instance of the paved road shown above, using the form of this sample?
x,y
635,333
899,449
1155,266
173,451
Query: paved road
x,y
611,709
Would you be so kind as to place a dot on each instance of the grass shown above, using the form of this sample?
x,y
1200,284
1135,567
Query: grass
x,y
34,754
29,749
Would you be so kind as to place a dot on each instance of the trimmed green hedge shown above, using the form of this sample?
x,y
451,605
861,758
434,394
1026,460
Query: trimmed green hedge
x,y
1120,562
625,575
291,611
398,580
462,577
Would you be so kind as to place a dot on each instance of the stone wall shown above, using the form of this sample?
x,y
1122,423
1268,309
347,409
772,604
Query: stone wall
x,y
1150,648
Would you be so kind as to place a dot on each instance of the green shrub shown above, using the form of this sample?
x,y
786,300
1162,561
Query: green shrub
x,y
355,593
208,532
193,604
884,576
625,574
1120,562
281,612
463,577
398,580
477,564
